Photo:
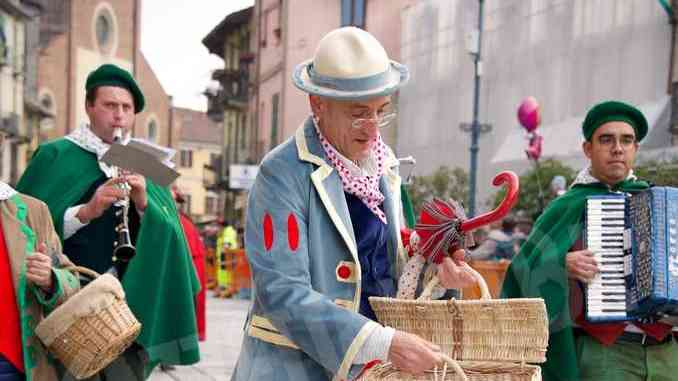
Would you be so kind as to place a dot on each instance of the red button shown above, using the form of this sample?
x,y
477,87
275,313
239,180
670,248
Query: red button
x,y
344,272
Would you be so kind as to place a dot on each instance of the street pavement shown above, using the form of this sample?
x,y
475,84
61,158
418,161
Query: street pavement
x,y
225,320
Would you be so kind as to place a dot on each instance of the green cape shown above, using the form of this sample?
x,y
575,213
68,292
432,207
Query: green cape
x,y
538,271
160,282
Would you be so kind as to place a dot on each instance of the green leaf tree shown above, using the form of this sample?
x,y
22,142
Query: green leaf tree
x,y
662,173
444,183
528,198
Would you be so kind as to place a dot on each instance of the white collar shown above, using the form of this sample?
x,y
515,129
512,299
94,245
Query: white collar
x,y
84,138
586,177
6,191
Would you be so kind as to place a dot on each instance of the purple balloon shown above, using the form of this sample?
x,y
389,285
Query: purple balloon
x,y
529,114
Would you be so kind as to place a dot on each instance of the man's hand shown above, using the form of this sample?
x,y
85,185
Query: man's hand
x,y
107,194
581,265
451,273
138,192
412,354
39,268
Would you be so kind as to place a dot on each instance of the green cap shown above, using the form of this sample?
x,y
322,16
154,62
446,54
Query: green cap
x,y
614,111
111,75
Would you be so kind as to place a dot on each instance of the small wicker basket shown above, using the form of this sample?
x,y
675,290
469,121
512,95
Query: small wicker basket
x,y
92,328
490,339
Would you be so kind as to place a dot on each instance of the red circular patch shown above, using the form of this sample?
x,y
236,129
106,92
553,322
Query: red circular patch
x,y
292,232
268,231
344,272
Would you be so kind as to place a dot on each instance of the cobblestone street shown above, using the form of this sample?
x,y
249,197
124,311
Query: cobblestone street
x,y
225,319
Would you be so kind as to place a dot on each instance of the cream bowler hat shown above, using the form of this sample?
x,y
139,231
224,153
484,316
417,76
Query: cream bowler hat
x,y
350,64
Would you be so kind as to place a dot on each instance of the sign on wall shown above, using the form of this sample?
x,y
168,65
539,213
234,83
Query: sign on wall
x,y
242,176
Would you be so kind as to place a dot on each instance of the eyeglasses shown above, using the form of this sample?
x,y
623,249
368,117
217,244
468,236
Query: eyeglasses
x,y
381,121
609,141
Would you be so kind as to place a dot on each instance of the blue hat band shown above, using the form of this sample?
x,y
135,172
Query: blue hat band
x,y
349,84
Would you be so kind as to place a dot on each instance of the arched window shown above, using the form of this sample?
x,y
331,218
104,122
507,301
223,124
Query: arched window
x,y
105,29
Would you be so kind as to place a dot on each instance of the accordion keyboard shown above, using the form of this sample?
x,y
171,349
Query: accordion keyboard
x,y
605,230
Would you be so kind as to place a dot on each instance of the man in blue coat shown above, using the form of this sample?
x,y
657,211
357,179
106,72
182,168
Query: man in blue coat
x,y
323,226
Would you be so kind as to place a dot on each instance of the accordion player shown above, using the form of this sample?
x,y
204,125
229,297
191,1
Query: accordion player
x,y
634,239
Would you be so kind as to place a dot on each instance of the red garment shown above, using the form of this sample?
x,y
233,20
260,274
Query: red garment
x,y
10,329
608,333
197,249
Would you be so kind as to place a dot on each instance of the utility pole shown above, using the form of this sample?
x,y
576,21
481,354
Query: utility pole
x,y
476,128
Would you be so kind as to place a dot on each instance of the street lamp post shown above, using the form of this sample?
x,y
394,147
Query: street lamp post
x,y
476,128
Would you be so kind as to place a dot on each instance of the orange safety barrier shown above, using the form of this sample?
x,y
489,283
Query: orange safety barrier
x,y
494,273
211,269
242,277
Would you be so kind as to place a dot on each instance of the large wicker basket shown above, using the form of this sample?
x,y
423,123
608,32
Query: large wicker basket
x,y
491,339
92,328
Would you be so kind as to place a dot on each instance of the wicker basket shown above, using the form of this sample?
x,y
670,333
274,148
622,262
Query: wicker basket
x,y
473,371
494,339
92,328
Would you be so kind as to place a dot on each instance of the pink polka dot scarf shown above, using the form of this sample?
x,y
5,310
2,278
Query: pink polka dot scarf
x,y
365,186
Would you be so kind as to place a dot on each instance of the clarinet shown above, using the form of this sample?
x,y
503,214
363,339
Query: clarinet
x,y
123,249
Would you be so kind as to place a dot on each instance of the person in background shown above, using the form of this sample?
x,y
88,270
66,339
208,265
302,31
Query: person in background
x,y
501,243
33,281
227,240
197,248
82,194
554,266
558,185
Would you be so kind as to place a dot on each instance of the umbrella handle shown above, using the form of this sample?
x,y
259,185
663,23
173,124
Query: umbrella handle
x,y
512,188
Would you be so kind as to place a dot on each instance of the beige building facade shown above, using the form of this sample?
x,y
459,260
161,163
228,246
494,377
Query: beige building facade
x,y
198,159
20,112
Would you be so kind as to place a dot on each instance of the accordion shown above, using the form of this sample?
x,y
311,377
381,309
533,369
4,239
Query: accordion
x,y
634,240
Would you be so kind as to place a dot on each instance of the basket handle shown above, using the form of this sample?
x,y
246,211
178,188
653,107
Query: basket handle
x,y
484,290
84,270
455,365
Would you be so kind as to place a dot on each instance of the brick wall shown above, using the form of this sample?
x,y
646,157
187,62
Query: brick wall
x,y
157,106
69,57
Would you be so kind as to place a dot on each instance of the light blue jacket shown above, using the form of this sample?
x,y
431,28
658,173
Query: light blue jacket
x,y
304,324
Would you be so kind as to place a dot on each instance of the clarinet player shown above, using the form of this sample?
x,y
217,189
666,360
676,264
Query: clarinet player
x,y
82,193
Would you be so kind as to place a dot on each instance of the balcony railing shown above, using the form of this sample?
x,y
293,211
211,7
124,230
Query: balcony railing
x,y
213,175
232,94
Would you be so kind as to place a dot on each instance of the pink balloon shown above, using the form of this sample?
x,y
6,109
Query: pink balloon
x,y
529,114
533,150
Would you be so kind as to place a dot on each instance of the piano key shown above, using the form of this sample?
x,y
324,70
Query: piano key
x,y
611,316
605,203
606,240
604,212
609,267
599,288
595,295
598,306
606,200
605,215
593,230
